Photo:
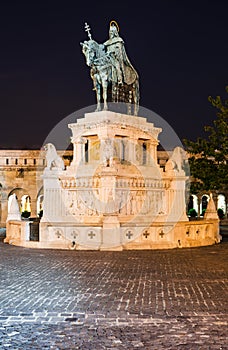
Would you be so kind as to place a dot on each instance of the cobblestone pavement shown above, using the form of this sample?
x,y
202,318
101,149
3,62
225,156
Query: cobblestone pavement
x,y
170,299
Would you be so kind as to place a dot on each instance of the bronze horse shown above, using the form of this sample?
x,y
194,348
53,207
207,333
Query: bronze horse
x,y
101,72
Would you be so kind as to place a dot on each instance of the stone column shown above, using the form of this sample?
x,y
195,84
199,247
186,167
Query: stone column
x,y
33,204
131,155
152,153
79,150
199,197
176,203
53,199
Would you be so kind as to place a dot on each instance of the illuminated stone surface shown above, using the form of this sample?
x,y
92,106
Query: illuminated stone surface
x,y
114,191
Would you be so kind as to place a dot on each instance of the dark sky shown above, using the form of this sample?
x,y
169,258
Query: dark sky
x,y
179,49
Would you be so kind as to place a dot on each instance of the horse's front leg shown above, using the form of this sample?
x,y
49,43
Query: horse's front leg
x,y
97,88
105,89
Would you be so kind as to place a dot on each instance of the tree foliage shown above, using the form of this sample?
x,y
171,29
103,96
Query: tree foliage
x,y
209,156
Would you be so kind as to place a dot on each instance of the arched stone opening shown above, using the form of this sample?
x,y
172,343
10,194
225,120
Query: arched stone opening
x,y
25,206
203,204
39,202
221,203
23,198
193,203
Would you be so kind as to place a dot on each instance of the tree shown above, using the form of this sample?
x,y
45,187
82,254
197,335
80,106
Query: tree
x,y
209,156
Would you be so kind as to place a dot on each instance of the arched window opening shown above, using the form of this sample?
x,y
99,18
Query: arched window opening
x,y
39,205
203,205
221,205
25,206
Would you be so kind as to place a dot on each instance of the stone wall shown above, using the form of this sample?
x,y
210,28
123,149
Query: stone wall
x,y
20,173
183,234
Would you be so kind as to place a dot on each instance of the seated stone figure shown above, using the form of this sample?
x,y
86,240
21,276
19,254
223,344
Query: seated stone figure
x,y
52,158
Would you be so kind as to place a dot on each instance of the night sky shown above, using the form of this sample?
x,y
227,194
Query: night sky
x,y
179,49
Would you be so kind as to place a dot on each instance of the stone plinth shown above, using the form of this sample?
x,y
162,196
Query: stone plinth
x,y
114,195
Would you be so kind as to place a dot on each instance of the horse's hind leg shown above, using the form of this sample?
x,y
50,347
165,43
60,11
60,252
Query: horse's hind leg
x,y
129,108
136,108
98,93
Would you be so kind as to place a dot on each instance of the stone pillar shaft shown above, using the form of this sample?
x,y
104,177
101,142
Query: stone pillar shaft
x,y
79,151
152,153
131,156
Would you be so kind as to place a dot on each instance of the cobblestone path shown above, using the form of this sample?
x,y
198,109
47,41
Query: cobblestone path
x,y
170,299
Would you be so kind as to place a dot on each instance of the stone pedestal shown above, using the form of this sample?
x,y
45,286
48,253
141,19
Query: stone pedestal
x,y
114,195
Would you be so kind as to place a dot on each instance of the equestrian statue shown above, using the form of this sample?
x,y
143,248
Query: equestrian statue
x,y
114,77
